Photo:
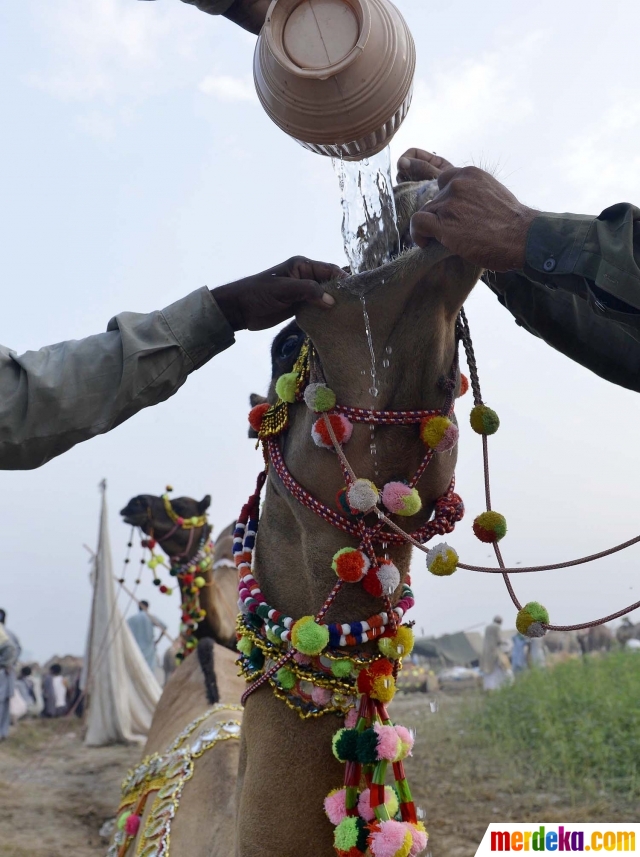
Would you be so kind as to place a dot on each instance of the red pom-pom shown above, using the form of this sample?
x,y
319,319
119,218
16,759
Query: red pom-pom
x,y
187,579
256,414
464,384
367,676
371,583
350,565
132,825
179,521
163,588
342,428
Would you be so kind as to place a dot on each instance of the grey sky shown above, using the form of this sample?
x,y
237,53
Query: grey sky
x,y
136,165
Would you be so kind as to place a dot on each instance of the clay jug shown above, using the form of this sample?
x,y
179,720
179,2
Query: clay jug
x,y
336,74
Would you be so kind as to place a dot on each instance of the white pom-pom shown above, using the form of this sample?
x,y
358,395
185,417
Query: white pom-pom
x,y
362,495
389,577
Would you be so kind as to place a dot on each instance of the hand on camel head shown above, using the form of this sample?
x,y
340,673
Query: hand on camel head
x,y
273,296
472,215
248,14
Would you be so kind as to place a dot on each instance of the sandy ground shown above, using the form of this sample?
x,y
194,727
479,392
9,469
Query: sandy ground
x,y
55,794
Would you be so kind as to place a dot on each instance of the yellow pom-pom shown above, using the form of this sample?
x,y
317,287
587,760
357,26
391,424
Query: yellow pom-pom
x,y
399,646
308,637
442,560
383,688
244,646
286,386
200,582
484,420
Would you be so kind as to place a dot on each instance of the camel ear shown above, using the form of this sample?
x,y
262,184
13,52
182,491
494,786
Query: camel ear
x,y
256,399
204,504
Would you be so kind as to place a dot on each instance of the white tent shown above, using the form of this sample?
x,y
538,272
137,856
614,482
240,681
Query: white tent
x,y
122,691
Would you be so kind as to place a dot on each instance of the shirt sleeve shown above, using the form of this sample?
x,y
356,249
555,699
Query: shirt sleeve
x,y
213,7
63,394
580,289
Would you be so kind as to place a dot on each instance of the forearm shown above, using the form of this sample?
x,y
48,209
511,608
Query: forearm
x,y
66,393
248,14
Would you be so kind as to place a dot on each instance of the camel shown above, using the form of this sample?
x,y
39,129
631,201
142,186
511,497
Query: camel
x,y
286,767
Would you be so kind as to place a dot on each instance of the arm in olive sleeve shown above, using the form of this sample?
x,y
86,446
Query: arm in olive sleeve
x,y
56,397
580,290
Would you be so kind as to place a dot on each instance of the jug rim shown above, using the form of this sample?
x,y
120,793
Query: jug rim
x,y
274,38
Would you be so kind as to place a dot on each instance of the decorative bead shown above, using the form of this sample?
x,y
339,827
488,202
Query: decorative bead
x,y
400,499
200,582
442,560
342,428
286,387
122,820
157,581
362,495
163,589
169,488
531,618
350,564
490,527
319,398
439,433
464,384
132,825
256,414
309,637
398,646
484,420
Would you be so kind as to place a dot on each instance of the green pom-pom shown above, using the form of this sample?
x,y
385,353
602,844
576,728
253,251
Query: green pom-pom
x,y
122,820
308,637
286,386
286,678
368,747
345,745
256,659
319,398
345,836
484,420
342,668
244,646
272,637
490,527
530,619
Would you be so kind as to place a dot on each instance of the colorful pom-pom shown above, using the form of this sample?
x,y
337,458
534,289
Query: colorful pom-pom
x,y
342,428
439,433
420,839
490,527
364,804
350,564
308,636
122,820
341,503
383,688
531,619
484,420
132,825
390,839
442,560
367,747
362,495
286,386
351,833
345,745
286,678
366,676
319,398
400,499
341,668
464,384
256,414
335,805
199,582
382,579
244,646
321,695
398,646
389,744
407,739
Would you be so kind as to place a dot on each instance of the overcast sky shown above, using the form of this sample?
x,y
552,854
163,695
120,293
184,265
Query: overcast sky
x,y
136,165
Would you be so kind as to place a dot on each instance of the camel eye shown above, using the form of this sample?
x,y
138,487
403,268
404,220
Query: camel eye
x,y
288,346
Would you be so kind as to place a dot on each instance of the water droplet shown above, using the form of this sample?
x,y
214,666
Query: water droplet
x,y
363,371
373,449
385,363
373,391
389,349
420,813
433,705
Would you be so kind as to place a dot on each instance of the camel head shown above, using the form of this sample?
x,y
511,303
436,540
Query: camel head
x,y
218,596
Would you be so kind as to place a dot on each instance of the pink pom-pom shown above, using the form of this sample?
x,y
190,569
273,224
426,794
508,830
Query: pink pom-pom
x,y
364,806
388,742
407,737
304,660
388,838
420,839
351,719
335,805
449,439
320,695
393,495
132,825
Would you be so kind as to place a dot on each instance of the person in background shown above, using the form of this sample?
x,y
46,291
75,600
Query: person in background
x,y
519,653
492,663
9,653
571,279
169,662
54,692
26,689
142,627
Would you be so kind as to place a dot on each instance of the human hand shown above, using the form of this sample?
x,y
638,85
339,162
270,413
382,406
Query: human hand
x,y
272,297
472,215
248,14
